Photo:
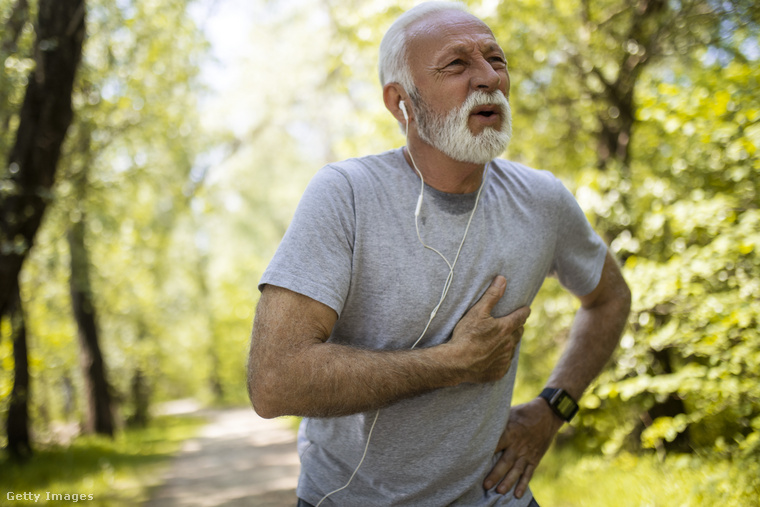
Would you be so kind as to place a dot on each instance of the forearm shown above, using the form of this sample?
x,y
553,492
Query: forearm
x,y
594,335
294,370
587,352
329,380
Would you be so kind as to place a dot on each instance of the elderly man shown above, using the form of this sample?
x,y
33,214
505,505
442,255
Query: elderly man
x,y
392,311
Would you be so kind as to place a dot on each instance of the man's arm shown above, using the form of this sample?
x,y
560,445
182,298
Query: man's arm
x,y
594,336
292,370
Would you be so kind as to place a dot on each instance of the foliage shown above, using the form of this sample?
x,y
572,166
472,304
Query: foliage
x,y
116,471
138,83
566,478
694,261
678,204
648,111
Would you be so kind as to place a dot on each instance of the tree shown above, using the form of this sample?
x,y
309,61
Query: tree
x,y
17,423
29,174
97,389
44,118
121,191
132,148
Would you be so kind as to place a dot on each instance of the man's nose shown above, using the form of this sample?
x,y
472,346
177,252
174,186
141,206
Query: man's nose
x,y
485,77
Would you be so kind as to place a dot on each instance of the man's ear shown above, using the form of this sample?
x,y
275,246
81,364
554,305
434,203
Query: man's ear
x,y
393,94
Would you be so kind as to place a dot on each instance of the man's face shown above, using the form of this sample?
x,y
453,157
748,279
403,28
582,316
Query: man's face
x,y
461,86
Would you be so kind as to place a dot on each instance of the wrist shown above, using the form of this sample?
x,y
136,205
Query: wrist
x,y
450,370
548,415
561,403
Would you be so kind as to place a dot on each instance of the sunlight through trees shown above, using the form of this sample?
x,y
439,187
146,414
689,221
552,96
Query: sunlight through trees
x,y
182,167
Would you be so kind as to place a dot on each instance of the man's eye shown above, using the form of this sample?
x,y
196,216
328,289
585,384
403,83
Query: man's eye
x,y
498,60
458,61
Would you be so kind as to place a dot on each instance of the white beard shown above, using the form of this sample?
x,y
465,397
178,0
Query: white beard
x,y
451,133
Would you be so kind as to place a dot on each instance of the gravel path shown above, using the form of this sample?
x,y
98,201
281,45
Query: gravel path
x,y
239,459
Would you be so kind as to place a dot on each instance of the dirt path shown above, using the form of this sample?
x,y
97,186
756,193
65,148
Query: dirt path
x,y
239,459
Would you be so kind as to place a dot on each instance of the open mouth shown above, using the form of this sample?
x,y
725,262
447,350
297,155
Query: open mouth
x,y
486,111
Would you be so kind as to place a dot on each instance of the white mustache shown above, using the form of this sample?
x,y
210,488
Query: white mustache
x,y
481,98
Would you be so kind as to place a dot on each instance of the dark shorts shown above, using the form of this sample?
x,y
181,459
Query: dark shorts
x,y
301,503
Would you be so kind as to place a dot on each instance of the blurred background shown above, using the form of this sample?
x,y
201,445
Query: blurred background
x,y
131,254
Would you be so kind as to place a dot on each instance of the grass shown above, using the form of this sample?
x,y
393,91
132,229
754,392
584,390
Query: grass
x,y
118,472
567,479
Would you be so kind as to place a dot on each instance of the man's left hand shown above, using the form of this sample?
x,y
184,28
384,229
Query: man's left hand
x,y
528,435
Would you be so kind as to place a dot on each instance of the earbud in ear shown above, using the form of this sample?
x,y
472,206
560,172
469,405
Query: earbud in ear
x,y
402,106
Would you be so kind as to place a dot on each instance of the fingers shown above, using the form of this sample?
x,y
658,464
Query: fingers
x,y
523,444
492,295
512,476
485,345
515,320
509,471
522,486
503,465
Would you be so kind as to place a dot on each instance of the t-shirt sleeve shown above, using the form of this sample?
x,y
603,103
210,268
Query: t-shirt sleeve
x,y
315,255
579,251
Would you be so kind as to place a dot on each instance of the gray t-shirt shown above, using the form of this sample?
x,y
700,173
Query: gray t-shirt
x,y
352,245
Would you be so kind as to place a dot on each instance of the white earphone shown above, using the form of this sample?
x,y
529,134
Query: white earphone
x,y
402,106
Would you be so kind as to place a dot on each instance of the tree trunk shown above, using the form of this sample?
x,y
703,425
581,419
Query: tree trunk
x,y
44,118
140,399
97,390
140,388
614,138
17,424
215,381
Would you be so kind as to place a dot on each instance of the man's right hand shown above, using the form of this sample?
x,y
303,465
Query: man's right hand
x,y
485,345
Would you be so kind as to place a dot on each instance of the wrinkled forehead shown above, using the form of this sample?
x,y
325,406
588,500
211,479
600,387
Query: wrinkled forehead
x,y
442,30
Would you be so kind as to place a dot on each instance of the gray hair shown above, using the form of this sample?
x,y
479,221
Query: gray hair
x,y
394,65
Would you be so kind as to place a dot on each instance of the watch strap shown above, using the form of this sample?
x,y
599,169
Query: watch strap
x,y
560,402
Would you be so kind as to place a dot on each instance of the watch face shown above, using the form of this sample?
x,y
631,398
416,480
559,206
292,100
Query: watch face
x,y
565,404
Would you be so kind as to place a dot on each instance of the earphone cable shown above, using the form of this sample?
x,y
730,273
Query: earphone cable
x,y
444,293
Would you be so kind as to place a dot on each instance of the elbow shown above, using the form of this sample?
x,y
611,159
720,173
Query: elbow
x,y
263,395
264,410
619,293
264,407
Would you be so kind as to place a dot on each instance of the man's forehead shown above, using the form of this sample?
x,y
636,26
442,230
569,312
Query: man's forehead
x,y
458,47
450,31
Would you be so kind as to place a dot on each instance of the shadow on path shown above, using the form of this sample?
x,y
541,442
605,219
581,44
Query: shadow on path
x,y
239,459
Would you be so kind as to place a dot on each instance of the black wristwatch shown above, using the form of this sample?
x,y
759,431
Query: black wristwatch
x,y
560,402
